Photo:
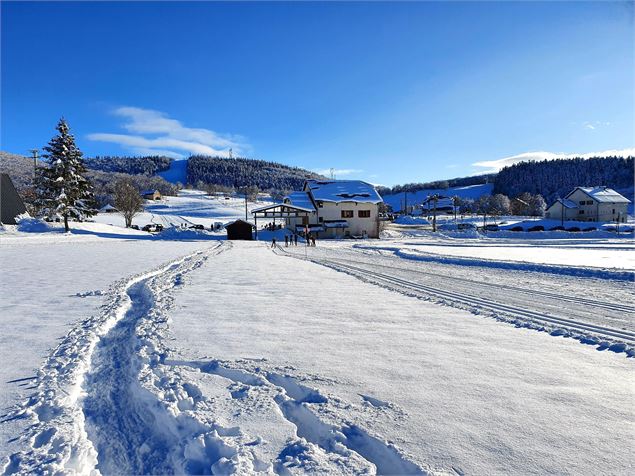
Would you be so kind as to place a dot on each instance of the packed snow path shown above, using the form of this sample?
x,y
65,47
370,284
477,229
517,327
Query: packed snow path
x,y
91,411
607,322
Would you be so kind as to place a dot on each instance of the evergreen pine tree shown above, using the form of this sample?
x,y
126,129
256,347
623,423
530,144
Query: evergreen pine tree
x,y
62,186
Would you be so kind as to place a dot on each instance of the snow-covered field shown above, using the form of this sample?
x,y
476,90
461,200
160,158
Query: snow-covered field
x,y
414,354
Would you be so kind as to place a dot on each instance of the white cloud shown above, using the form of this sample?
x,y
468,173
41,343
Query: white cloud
x,y
496,165
337,172
154,133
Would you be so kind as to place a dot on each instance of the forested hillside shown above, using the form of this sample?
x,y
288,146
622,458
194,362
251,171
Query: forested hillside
x,y
148,165
20,169
556,178
246,172
437,184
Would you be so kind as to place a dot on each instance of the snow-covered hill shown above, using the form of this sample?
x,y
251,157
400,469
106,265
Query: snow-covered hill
x,y
471,191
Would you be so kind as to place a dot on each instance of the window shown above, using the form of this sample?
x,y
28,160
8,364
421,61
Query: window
x,y
347,213
581,212
320,219
582,202
363,213
589,202
614,211
320,204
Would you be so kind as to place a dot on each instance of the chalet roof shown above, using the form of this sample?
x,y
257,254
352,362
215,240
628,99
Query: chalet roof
x,y
567,203
338,191
300,199
280,205
603,194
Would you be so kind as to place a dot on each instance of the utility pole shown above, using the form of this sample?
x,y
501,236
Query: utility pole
x,y
246,219
34,154
435,198
230,153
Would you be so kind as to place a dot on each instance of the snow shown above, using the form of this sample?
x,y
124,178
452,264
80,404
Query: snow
x,y
410,220
51,282
189,208
176,173
604,194
343,191
460,392
420,353
472,191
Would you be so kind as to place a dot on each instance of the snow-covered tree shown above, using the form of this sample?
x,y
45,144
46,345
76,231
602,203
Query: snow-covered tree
x,y
499,205
537,206
62,188
127,200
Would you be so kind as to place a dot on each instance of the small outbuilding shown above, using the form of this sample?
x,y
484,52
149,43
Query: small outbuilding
x,y
11,205
151,194
240,230
108,208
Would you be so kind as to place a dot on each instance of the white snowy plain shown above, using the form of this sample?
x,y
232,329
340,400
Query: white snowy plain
x,y
235,359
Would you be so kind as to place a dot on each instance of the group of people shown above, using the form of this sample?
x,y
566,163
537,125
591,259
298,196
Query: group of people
x,y
273,227
292,240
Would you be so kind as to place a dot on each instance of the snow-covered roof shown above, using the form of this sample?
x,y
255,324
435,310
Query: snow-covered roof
x,y
106,207
343,191
236,221
604,194
567,203
300,199
149,192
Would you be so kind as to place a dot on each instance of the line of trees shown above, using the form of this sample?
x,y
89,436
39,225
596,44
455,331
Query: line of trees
x,y
146,165
556,178
241,172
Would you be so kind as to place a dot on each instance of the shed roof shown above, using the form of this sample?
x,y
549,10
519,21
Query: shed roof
x,y
604,194
343,191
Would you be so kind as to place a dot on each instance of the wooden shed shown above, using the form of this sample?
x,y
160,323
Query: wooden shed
x,y
240,230
151,194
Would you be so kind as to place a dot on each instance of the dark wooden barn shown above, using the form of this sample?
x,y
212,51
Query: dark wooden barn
x,y
240,230
11,205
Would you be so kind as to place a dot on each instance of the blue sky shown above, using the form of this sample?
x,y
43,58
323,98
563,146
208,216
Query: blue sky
x,y
387,92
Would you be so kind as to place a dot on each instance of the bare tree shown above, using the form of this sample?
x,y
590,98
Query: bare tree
x,y
127,200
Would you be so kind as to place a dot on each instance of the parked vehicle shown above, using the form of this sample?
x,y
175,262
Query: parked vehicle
x,y
196,227
516,228
153,228
537,228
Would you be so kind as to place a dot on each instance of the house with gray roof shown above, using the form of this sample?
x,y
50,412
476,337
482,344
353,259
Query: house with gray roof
x,y
598,204
340,208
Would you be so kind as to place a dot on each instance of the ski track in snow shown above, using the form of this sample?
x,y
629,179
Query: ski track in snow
x,y
470,298
109,401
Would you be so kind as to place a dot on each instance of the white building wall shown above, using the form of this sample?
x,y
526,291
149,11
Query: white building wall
x,y
356,225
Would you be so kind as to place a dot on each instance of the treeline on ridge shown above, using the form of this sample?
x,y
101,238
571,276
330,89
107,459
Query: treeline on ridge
x,y
147,165
241,172
556,178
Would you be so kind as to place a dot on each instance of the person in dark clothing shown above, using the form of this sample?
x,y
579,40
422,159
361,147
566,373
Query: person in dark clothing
x,y
273,243
286,240
295,239
312,240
